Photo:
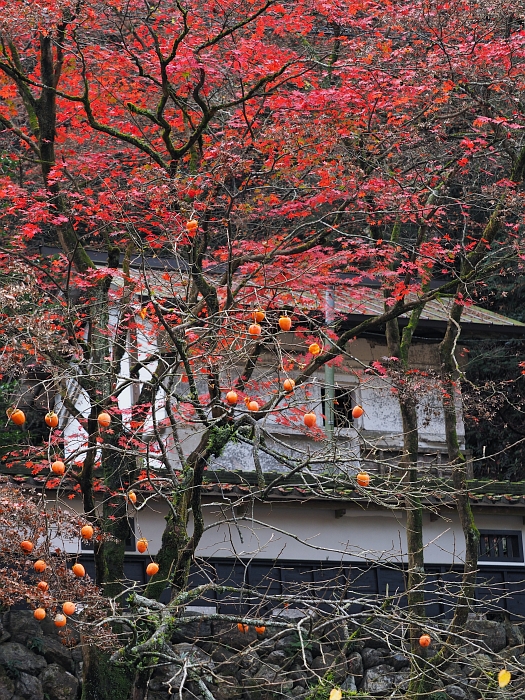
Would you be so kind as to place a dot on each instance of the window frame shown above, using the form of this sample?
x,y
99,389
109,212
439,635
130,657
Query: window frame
x,y
500,534
349,389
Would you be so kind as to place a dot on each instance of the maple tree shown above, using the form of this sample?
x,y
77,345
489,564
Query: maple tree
x,y
227,159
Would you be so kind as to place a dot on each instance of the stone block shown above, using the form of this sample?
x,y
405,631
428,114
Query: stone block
x,y
18,657
58,684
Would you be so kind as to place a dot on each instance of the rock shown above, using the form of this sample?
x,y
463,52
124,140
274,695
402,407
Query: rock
x,y
19,658
278,658
456,692
333,663
317,648
354,663
189,651
479,663
29,687
228,688
453,670
379,680
192,631
349,684
226,662
398,661
373,657
379,631
228,635
401,680
514,635
7,686
22,626
269,679
166,678
288,644
55,652
487,633
58,684
290,614
251,662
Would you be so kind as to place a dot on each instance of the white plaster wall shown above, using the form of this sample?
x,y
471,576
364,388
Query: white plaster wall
x,y
315,533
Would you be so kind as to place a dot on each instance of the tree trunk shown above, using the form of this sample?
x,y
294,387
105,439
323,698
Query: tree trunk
x,y
459,473
104,680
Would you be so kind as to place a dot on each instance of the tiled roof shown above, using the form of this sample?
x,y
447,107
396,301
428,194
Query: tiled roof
x,y
239,484
369,301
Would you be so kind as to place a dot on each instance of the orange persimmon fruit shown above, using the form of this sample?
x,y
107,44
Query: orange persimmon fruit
x,y
51,419
285,323
310,419
152,568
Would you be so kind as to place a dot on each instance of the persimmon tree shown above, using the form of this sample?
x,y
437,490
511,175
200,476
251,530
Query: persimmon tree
x,y
190,165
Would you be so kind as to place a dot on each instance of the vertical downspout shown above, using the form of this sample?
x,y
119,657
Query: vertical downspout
x,y
329,372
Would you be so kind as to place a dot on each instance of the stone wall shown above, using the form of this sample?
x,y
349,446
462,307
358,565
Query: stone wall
x,y
37,662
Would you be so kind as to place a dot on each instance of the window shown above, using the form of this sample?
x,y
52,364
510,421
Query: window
x,y
343,404
500,546
130,542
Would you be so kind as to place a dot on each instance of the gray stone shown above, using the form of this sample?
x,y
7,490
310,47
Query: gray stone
x,y
29,687
251,662
22,626
317,648
17,656
514,635
226,661
354,663
456,692
163,675
169,676
297,691
269,679
288,643
402,680
228,688
382,633
229,635
398,661
373,657
349,684
278,657
379,680
76,654
7,686
479,663
59,684
290,614
487,633
55,652
200,629
335,663
453,671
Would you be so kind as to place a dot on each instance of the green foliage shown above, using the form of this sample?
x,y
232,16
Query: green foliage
x,y
36,644
12,671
